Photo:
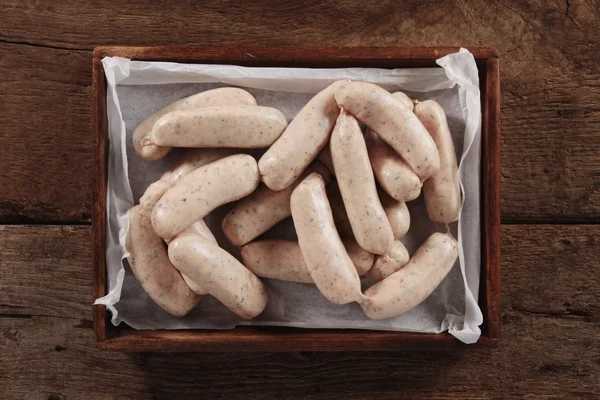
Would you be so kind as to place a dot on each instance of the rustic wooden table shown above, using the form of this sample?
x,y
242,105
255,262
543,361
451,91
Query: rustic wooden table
x,y
550,341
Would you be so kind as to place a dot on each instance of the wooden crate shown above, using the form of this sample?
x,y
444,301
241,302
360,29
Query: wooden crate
x,y
249,338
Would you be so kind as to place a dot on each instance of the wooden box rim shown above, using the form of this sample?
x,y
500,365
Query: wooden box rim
x,y
249,338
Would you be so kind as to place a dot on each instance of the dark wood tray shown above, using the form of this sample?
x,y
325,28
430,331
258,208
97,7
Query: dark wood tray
x,y
124,338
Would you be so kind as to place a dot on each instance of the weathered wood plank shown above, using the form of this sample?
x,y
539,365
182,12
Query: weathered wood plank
x,y
46,139
550,105
539,356
550,342
546,269
46,270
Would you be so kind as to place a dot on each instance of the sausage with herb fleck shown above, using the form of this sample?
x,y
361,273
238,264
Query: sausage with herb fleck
x,y
300,143
395,124
397,213
262,209
393,174
193,159
355,178
282,259
203,190
246,127
326,259
409,286
215,97
404,99
442,190
387,264
199,227
149,261
220,274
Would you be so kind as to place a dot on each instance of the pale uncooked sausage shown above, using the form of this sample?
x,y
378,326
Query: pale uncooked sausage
x,y
387,264
404,99
248,127
198,227
149,261
300,143
393,174
193,159
413,283
282,259
215,97
442,190
393,122
203,190
262,209
326,259
220,274
397,213
355,178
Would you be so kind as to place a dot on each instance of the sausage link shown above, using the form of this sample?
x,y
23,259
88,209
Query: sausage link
x,y
404,99
355,178
326,259
300,143
394,175
220,274
397,213
215,97
408,287
262,209
442,190
282,259
149,261
396,125
387,264
203,190
193,159
198,227
247,127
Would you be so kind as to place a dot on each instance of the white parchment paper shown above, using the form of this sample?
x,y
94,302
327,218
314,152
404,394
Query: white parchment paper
x,y
137,89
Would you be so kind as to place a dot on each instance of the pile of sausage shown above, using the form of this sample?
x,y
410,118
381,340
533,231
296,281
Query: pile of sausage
x,y
346,192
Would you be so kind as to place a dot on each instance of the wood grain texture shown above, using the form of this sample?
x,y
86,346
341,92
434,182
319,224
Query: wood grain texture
x,y
549,346
45,270
49,356
45,134
549,56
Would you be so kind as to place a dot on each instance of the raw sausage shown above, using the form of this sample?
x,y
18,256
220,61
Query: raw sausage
x,y
355,178
215,97
198,227
300,143
413,283
387,264
149,261
220,274
393,174
326,259
247,127
203,190
193,159
397,213
261,210
396,125
442,190
282,259
404,99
